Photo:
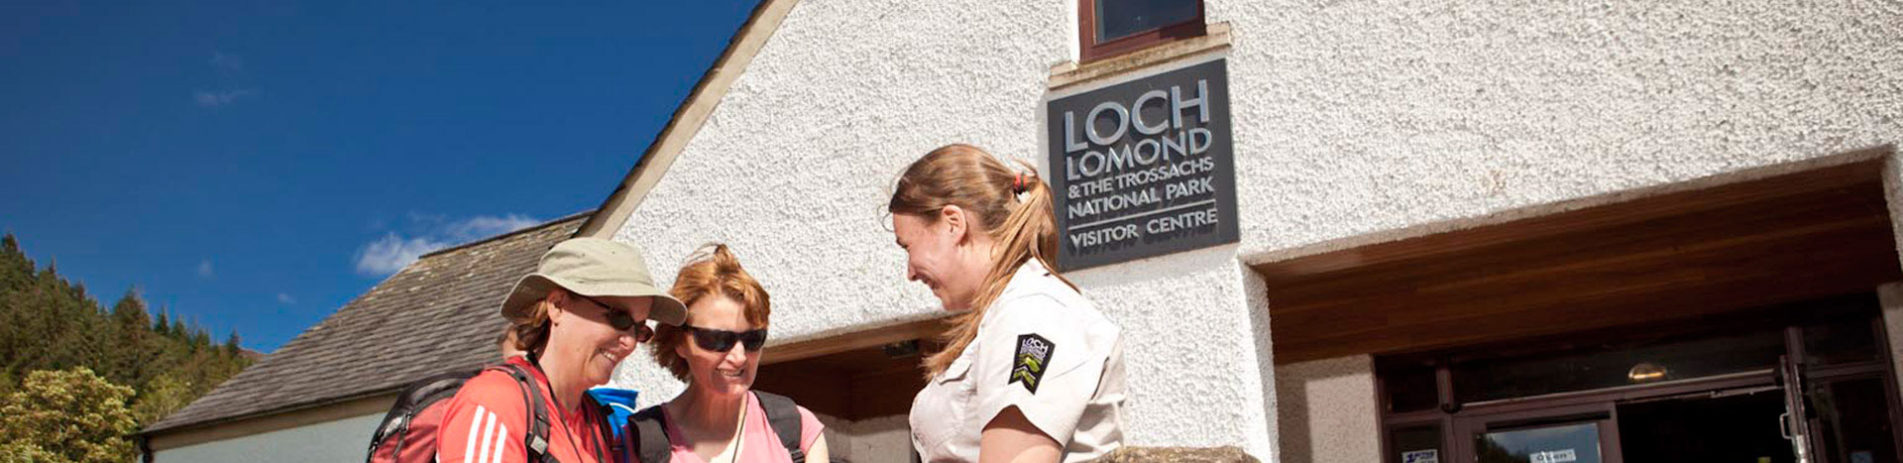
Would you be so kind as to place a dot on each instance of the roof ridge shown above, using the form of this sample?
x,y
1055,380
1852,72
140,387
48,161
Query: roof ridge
x,y
539,226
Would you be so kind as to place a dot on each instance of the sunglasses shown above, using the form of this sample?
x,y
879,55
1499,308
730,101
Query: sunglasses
x,y
621,321
723,341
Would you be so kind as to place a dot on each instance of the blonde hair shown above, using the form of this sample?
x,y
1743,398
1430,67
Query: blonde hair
x,y
1012,208
712,271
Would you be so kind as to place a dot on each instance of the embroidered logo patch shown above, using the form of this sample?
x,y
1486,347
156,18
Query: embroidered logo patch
x,y
1034,354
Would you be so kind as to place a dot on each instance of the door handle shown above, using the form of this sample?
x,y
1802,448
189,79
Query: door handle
x,y
1784,425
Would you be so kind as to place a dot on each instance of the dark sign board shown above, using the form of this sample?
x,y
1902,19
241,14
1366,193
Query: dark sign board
x,y
1143,168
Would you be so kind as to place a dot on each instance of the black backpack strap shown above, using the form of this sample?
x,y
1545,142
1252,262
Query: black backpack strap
x,y
414,398
536,440
603,434
785,419
649,434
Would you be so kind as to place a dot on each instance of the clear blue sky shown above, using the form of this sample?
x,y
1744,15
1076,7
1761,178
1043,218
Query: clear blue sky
x,y
256,166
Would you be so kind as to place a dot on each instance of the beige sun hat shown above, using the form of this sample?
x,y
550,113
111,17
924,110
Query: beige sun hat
x,y
593,267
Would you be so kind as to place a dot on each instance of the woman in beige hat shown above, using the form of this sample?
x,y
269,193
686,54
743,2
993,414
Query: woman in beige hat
x,y
1031,370
582,311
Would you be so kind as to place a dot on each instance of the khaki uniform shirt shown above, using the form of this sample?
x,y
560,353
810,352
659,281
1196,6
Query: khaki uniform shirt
x,y
1042,348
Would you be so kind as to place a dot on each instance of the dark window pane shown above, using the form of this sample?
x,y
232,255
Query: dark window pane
x,y
1415,444
1410,389
1856,420
1529,376
1846,341
1574,443
1117,19
1741,428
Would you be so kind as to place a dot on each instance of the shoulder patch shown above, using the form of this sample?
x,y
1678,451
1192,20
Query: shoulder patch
x,y
1033,356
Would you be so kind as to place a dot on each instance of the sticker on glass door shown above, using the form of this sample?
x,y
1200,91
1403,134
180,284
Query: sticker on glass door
x,y
1421,456
1555,456
1568,443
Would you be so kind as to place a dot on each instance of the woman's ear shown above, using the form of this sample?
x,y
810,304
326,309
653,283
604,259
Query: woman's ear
x,y
557,306
681,350
957,223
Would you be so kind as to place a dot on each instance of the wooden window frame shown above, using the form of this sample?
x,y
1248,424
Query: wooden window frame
x,y
1090,50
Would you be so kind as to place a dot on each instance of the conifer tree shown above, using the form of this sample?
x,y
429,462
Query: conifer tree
x,y
50,324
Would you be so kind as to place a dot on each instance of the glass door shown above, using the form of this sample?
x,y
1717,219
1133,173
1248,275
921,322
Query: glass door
x,y
1795,422
1580,434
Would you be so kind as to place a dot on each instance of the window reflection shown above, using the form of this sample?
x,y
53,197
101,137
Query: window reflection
x,y
1117,19
1567,443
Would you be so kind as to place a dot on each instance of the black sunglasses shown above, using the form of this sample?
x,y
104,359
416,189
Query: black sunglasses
x,y
620,320
722,340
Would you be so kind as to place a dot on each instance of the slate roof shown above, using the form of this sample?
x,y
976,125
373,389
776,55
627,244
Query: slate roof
x,y
437,315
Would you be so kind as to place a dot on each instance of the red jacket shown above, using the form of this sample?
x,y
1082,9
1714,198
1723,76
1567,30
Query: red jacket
x,y
488,418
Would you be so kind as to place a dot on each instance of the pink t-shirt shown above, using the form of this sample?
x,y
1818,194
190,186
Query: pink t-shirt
x,y
758,444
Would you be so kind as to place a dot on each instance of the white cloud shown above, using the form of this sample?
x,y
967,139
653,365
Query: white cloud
x,y
393,251
213,99
204,269
224,62
286,299
485,226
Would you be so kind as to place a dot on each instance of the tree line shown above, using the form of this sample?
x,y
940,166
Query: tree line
x,y
77,378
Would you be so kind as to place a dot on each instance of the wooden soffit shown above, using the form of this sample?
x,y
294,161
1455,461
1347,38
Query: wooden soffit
x,y
854,373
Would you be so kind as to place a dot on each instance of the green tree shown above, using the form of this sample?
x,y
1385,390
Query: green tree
x,y
232,348
164,395
15,268
179,331
129,313
73,414
164,322
49,323
27,452
130,327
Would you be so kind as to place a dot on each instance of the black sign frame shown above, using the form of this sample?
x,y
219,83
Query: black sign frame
x,y
1104,215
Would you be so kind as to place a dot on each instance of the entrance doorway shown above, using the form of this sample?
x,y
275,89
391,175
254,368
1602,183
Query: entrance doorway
x,y
1803,383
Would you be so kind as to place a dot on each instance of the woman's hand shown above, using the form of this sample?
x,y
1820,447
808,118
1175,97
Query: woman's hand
x,y
1011,438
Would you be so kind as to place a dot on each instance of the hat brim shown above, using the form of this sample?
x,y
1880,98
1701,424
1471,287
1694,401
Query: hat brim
x,y
535,286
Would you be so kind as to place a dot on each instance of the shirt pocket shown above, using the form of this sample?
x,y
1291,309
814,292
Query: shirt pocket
x,y
938,414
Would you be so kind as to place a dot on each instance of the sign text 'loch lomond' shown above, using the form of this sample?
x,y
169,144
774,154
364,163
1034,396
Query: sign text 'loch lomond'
x,y
1143,168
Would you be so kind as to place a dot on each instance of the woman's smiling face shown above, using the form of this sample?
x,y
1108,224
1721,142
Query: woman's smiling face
x,y
729,372
933,257
603,346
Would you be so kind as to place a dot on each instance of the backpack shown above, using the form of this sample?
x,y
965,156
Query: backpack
x,y
649,432
408,433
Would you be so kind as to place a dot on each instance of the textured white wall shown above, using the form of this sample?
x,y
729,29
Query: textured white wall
x,y
1328,412
1890,296
1360,116
344,440
885,438
1350,118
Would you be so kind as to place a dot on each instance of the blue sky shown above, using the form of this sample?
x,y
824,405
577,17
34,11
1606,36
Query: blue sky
x,y
255,166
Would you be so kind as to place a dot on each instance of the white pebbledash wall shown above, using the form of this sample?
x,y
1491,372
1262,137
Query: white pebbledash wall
x,y
1350,118
793,170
